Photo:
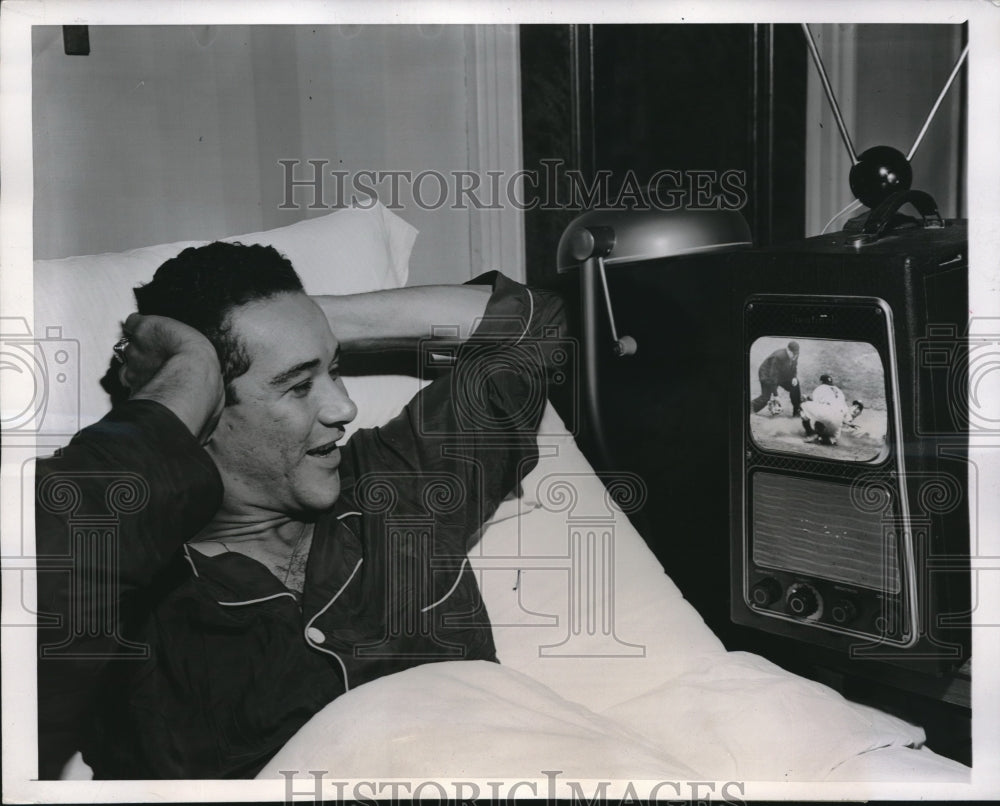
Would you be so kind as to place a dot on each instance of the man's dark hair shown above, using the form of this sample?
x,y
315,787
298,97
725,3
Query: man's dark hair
x,y
203,284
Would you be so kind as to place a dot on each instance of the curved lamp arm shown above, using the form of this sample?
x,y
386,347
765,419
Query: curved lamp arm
x,y
599,239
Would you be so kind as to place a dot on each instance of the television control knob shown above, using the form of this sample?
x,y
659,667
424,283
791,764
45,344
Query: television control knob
x,y
802,600
765,592
844,611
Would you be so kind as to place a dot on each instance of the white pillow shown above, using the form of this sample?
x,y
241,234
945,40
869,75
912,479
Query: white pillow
x,y
634,631
379,398
81,301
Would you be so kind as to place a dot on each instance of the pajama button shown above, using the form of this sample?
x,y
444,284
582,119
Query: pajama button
x,y
315,635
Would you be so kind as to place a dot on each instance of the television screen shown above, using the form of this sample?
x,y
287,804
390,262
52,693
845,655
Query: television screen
x,y
824,398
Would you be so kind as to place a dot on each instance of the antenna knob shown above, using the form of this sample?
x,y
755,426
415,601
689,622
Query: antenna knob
x,y
878,173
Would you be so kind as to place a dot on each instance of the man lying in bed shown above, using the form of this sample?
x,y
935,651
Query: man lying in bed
x,y
273,566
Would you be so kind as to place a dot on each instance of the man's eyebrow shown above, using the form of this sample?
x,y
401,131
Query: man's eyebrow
x,y
306,366
284,377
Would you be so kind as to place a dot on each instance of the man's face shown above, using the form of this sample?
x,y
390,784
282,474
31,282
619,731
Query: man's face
x,y
275,447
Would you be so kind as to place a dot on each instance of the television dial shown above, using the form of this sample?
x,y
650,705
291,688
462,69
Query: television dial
x,y
844,611
767,591
803,600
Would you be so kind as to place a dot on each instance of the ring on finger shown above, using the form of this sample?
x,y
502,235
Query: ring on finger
x,y
120,347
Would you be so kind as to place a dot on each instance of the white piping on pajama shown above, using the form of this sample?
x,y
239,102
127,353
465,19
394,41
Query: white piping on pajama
x,y
347,685
451,590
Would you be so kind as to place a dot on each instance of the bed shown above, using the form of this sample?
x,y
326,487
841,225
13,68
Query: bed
x,y
606,673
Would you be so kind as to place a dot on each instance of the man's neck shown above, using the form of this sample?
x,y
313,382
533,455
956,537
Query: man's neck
x,y
278,542
252,527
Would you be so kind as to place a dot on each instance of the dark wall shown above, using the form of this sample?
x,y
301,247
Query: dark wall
x,y
551,128
630,101
637,99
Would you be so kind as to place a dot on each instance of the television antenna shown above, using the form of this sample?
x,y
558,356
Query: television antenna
x,y
881,171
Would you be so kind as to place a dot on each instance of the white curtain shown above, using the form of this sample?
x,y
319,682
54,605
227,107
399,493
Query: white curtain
x,y
886,79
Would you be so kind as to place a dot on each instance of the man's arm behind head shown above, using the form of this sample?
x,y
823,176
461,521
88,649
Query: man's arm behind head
x,y
172,364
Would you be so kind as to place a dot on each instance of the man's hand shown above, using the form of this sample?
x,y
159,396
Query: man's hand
x,y
175,365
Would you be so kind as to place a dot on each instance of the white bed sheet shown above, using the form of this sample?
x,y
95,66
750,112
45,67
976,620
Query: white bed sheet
x,y
895,764
467,719
607,672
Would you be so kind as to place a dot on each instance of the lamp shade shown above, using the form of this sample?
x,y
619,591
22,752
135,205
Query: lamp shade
x,y
627,236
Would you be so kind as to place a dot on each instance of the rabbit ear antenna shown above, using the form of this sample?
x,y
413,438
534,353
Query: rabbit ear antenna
x,y
834,106
937,103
